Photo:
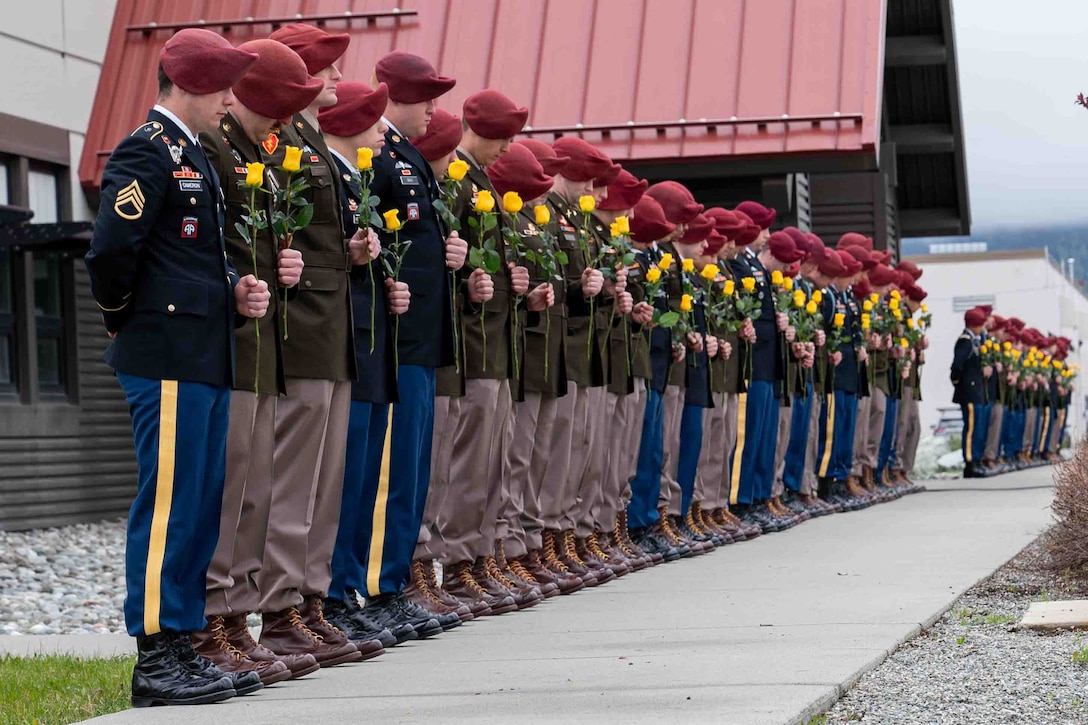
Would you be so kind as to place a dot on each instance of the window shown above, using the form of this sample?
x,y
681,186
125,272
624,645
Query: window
x,y
49,323
7,316
43,197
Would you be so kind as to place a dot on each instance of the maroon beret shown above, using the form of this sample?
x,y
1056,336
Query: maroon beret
x,y
815,241
442,136
648,222
585,161
679,205
852,264
882,275
698,229
610,175
758,213
518,170
715,242
1016,323
317,48
751,230
411,79
800,239
861,255
882,256
974,317
624,192
278,85
492,115
915,293
910,268
998,323
358,107
726,223
545,154
831,265
988,309
853,239
783,249
863,289
200,61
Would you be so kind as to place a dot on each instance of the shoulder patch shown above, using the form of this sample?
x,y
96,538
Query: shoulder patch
x,y
149,130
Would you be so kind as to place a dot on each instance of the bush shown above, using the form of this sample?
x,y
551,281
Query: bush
x,y
1066,543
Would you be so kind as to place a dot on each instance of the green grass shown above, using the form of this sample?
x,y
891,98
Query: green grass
x,y
961,640
1080,656
817,720
60,689
971,618
1000,619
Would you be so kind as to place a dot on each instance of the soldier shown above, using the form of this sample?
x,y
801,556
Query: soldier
x,y
884,282
170,299
352,128
871,399
273,90
996,331
908,429
968,377
392,509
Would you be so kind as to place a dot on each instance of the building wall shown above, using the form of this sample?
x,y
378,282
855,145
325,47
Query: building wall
x,y
1025,284
69,459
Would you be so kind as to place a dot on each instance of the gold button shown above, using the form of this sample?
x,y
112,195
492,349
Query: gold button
x,y
412,192
309,283
192,200
170,308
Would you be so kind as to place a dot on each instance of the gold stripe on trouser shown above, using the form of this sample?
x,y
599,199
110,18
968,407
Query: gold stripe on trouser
x,y
1046,427
829,435
377,531
970,432
164,495
742,416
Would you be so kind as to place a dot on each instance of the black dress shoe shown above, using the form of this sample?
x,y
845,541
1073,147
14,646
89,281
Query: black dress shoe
x,y
244,683
447,621
391,610
650,542
349,612
160,678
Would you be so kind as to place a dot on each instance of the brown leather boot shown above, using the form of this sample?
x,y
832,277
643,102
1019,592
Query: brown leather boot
x,y
567,552
516,569
703,522
673,523
622,535
459,608
285,632
724,520
238,634
486,571
612,544
854,489
568,581
313,617
544,576
458,580
517,581
419,593
593,560
599,542
212,644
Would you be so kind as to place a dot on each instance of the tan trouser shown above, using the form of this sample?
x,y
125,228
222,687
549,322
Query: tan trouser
x,y
624,421
1029,428
877,410
711,471
635,418
732,410
232,575
910,430
672,411
308,466
466,523
447,414
861,436
781,443
521,523
555,483
590,450
808,478
1054,445
993,432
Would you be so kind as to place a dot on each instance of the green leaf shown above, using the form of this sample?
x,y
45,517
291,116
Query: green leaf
x,y
303,217
298,201
666,319
490,221
492,261
279,227
243,231
472,223
476,258
373,202
561,257
375,220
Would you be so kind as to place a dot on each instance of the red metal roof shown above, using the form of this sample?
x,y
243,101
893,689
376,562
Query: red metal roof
x,y
650,79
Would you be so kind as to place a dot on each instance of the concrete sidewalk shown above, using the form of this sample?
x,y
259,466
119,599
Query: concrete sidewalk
x,y
770,631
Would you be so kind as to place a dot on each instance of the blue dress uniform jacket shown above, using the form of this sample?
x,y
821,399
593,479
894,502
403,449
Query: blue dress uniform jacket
x,y
766,353
846,372
403,180
660,338
377,381
967,370
158,265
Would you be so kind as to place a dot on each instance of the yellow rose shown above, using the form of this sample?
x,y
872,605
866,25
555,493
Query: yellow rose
x,y
895,294
811,307
893,304
1007,346
586,203
898,314
776,278
730,287
817,296
364,158
910,322
1058,364
542,213
903,343
511,202
710,272
874,298
665,262
799,295
866,322
653,274
867,306
254,175
924,308
787,283
621,227
485,202
292,159
392,223
749,284
839,319
685,303
688,265
457,169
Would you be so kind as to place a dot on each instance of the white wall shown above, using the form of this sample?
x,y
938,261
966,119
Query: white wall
x,y
1032,289
51,52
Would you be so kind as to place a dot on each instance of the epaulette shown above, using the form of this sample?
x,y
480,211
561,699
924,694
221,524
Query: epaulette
x,y
965,336
149,130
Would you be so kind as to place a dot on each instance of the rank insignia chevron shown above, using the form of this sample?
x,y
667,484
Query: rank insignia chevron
x,y
130,196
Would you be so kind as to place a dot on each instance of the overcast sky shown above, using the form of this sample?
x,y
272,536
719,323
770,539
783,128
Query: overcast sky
x,y
1021,64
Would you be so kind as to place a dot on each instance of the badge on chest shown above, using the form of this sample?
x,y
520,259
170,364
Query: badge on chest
x,y
189,227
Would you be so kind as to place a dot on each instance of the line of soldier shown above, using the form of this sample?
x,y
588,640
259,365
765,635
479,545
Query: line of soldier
x,y
1014,387
456,374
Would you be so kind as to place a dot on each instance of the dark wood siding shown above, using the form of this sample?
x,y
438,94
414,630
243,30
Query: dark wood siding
x,y
861,202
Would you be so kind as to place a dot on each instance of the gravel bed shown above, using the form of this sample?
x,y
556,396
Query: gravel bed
x,y
973,666
67,580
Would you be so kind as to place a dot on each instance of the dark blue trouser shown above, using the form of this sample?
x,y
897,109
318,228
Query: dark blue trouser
x,y
757,447
794,469
835,444
180,432
1012,433
888,438
691,445
392,508
646,485
976,419
362,471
